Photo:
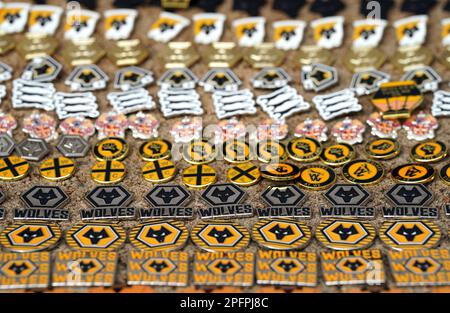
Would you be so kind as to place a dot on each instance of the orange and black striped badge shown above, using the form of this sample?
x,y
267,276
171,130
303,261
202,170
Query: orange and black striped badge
x,y
410,234
245,174
95,236
28,237
343,234
199,176
13,168
108,172
382,148
159,171
429,151
338,154
56,169
155,149
111,148
413,173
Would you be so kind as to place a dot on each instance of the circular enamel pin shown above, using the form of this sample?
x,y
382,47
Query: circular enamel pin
x,y
272,129
429,151
304,149
159,171
316,129
187,129
77,125
383,148
245,174
413,173
13,168
236,151
111,148
348,131
7,123
199,176
95,236
444,174
29,237
40,125
159,235
410,234
143,125
281,234
363,172
270,150
280,171
345,234
199,152
337,154
231,129
220,236
316,177
57,169
111,124
155,149
108,172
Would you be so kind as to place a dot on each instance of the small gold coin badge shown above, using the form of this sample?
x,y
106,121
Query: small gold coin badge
x,y
413,173
338,154
270,150
429,151
199,152
155,149
382,148
245,174
363,172
280,171
236,151
199,176
111,148
13,168
444,174
108,172
304,149
316,177
159,171
57,169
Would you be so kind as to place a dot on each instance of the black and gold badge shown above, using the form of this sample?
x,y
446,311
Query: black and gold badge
x,y
382,148
108,172
199,176
95,236
345,234
280,171
155,149
57,169
111,148
444,174
410,234
363,172
220,236
159,235
270,150
337,154
236,151
429,151
199,152
245,174
281,234
413,173
159,171
28,237
316,177
13,168
304,149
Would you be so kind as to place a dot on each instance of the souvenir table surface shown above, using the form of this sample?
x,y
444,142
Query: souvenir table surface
x,y
81,183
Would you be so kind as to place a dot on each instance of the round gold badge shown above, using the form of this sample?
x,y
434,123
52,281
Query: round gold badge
x,y
13,168
111,148
57,169
316,177
444,174
382,148
245,174
199,152
337,154
95,236
281,234
218,236
29,237
159,235
155,149
159,171
363,172
108,172
429,151
410,234
269,150
345,234
236,151
199,176
280,171
413,173
304,149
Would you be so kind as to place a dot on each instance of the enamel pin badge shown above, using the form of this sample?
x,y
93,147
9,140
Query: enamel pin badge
x,y
44,19
288,34
328,31
411,31
208,27
249,31
119,23
167,27
80,24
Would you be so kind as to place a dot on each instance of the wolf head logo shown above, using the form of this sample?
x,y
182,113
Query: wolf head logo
x,y
108,196
28,234
158,266
287,266
353,265
303,146
44,197
337,152
220,235
423,266
281,232
409,233
207,28
86,266
283,195
327,32
222,194
408,194
347,194
158,234
224,266
345,232
428,149
95,236
18,268
155,147
167,196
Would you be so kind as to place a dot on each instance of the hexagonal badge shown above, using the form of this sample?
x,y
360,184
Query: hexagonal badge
x,y
224,266
73,146
345,234
423,265
42,69
285,196
287,265
109,196
168,196
223,194
352,264
410,234
347,195
49,197
159,266
32,149
2,196
281,234
100,236
28,237
159,235
7,145
220,236
409,195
